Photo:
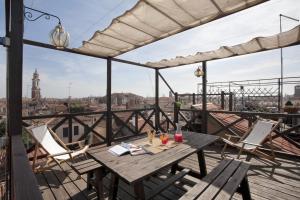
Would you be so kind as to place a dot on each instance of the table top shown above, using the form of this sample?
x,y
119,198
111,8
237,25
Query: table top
x,y
135,168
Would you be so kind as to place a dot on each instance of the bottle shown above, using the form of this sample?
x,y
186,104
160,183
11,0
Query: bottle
x,y
178,134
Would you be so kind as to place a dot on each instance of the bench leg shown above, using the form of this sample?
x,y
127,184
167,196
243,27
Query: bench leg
x,y
114,184
139,190
245,190
89,177
99,175
202,163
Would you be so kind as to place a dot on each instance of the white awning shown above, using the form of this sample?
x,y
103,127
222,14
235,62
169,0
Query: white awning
x,y
152,20
284,39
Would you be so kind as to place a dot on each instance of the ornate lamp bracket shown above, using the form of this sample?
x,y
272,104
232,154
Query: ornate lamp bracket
x,y
31,14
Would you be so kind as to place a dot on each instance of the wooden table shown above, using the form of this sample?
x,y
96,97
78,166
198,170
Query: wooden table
x,y
135,169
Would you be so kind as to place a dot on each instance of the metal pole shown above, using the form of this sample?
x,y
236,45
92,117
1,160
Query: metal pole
x,y
176,109
281,69
204,103
279,95
157,121
109,133
281,56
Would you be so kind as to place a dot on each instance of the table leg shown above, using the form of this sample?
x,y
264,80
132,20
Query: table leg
x,y
174,168
202,163
114,184
99,175
139,190
89,179
245,189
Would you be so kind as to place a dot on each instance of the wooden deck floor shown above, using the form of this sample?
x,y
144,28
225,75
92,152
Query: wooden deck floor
x,y
266,180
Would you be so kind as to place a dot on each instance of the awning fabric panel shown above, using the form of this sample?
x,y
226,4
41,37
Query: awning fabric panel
x,y
152,20
284,39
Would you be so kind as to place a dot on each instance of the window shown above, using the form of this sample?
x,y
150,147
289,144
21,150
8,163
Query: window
x,y
65,132
76,130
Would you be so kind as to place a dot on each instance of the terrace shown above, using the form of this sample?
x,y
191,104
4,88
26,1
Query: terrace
x,y
267,181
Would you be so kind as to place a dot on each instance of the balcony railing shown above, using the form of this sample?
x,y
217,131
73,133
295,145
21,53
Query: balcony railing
x,y
129,123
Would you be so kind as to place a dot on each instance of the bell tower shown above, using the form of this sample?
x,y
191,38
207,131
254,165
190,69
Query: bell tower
x,y
35,89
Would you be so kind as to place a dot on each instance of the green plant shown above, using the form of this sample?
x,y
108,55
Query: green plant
x,y
178,104
75,108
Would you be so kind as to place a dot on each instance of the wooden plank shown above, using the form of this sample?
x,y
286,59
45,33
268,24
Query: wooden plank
x,y
24,182
159,188
282,184
89,168
44,187
196,190
231,186
81,183
65,181
56,187
78,164
219,182
86,166
170,193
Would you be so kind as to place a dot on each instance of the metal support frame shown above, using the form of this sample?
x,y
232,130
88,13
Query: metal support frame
x,y
281,56
157,120
109,133
164,80
204,102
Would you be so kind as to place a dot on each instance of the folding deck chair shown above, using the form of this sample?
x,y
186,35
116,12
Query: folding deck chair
x,y
253,139
52,144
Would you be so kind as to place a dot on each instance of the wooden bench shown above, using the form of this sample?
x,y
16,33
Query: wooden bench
x,y
222,182
87,167
167,183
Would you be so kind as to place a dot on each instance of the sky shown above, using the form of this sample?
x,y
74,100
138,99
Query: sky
x,y
86,76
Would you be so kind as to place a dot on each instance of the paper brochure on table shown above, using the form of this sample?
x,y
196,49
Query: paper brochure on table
x,y
156,146
124,148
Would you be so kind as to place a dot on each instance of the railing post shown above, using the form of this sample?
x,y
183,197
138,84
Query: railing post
x,y
222,100
70,128
21,177
230,101
194,98
157,120
204,103
109,133
136,122
176,109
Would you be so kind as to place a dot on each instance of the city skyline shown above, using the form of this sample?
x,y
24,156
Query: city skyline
x,y
88,75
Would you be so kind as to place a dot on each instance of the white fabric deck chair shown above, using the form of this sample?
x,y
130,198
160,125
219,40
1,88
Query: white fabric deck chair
x,y
51,143
254,138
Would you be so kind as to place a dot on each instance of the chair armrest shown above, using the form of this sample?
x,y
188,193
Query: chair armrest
x,y
232,136
80,143
235,136
59,154
245,142
71,143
